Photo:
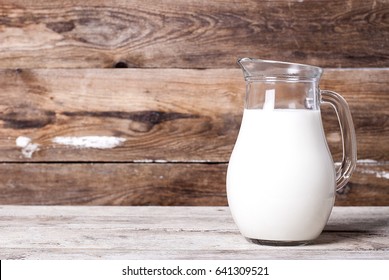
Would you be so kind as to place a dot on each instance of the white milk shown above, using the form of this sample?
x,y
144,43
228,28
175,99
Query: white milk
x,y
281,177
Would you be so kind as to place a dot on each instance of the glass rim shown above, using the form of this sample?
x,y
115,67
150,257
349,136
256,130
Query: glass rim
x,y
265,70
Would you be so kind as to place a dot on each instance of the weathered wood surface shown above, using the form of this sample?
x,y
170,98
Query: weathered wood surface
x,y
167,133
153,184
189,34
164,114
55,232
174,118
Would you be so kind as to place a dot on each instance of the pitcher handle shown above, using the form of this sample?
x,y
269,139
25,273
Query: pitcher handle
x,y
347,130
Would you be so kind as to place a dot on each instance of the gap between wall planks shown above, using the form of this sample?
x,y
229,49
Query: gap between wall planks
x,y
191,34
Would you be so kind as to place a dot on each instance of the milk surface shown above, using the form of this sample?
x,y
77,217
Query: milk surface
x,y
281,177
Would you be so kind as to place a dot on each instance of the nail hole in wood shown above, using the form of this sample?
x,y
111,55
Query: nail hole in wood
x,y
121,64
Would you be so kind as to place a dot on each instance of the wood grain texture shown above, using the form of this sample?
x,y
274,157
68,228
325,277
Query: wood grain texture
x,y
169,114
113,184
56,232
163,114
189,34
369,185
163,136
153,184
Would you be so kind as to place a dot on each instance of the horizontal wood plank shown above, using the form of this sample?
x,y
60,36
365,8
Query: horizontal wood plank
x,y
57,232
189,34
113,184
153,184
160,115
166,115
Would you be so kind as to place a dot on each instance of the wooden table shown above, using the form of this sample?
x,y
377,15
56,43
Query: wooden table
x,y
105,232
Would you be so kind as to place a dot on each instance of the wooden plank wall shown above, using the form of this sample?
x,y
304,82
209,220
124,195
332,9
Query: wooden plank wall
x,y
139,102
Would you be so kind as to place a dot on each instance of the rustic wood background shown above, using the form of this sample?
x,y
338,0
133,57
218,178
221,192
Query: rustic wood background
x,y
169,117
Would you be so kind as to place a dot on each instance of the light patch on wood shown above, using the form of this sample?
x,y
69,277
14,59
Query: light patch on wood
x,y
367,161
170,161
334,137
94,142
382,174
29,37
378,174
28,148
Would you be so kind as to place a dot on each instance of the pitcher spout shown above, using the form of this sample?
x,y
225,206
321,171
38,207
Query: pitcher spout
x,y
258,69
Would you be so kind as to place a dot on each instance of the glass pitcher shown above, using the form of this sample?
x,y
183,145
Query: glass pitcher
x,y
281,178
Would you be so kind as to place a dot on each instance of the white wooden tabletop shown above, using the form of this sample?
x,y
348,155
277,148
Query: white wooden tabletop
x,y
105,232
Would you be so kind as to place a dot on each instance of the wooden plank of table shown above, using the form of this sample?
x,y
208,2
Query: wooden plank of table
x,y
55,232
189,34
176,184
160,115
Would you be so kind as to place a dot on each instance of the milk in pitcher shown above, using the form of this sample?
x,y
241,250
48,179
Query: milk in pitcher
x,y
285,189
